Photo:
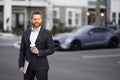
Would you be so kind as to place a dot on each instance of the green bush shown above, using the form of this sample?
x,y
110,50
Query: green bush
x,y
60,27
17,31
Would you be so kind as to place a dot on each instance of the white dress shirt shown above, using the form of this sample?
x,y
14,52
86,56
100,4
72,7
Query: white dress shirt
x,y
33,36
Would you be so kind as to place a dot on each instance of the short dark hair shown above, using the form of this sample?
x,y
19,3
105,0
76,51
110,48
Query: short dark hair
x,y
36,12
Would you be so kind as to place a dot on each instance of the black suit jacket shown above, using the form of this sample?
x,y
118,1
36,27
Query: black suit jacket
x,y
44,43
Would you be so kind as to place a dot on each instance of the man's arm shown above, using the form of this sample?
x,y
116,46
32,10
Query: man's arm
x,y
22,52
50,46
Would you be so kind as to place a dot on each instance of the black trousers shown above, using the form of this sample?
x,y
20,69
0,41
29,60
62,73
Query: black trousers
x,y
40,74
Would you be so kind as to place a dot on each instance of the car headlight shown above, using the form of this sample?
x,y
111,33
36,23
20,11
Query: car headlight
x,y
67,41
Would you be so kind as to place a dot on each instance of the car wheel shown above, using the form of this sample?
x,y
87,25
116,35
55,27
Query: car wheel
x,y
113,43
75,45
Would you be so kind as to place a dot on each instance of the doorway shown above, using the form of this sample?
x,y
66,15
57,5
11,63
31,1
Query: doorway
x,y
18,20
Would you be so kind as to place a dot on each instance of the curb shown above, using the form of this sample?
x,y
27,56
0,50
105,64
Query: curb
x,y
7,36
17,44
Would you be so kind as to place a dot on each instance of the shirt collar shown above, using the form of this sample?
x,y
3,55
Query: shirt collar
x,y
37,29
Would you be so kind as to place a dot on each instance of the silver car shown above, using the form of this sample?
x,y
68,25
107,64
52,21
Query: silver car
x,y
87,37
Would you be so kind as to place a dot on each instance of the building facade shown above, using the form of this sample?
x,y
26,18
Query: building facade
x,y
93,13
74,13
71,13
115,11
16,13
68,13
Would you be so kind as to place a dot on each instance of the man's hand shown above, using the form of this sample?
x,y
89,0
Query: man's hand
x,y
21,69
34,50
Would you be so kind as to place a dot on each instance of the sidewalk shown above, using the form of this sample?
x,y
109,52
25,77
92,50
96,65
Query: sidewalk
x,y
8,36
9,39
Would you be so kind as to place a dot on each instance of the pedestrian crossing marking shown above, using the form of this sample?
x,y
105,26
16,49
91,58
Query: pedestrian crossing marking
x,y
100,56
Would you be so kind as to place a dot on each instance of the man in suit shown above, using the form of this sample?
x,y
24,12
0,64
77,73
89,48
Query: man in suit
x,y
36,45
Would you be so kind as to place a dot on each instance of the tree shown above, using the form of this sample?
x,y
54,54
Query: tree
x,y
97,15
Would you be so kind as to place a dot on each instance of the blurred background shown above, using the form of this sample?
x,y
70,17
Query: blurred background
x,y
61,16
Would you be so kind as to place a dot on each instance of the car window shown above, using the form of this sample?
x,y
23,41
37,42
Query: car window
x,y
80,30
99,30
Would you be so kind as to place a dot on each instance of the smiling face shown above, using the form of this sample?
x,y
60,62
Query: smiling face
x,y
36,20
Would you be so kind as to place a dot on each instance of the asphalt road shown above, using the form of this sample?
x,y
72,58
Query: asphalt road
x,y
95,64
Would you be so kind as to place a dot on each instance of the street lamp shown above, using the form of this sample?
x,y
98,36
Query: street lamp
x,y
102,14
88,17
87,13
105,13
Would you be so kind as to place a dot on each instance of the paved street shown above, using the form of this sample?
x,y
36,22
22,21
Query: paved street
x,y
89,64
98,64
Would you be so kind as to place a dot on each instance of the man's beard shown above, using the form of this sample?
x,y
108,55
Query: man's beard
x,y
36,25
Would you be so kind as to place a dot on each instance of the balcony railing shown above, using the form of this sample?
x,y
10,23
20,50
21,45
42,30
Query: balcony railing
x,y
26,0
29,0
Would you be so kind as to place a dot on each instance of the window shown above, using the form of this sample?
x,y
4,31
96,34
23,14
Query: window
x,y
73,18
56,13
70,13
69,21
119,14
70,18
99,30
119,18
114,17
18,20
77,18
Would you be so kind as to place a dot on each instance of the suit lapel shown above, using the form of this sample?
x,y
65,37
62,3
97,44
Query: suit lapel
x,y
40,34
28,35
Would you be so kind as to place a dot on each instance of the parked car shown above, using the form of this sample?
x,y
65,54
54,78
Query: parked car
x,y
113,26
87,37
